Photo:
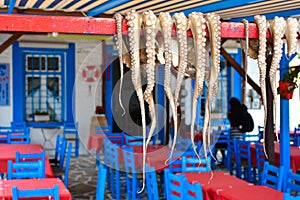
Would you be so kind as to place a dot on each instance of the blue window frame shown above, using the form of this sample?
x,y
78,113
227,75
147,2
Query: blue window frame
x,y
43,81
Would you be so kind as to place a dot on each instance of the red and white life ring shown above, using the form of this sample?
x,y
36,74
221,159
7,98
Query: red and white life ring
x,y
90,74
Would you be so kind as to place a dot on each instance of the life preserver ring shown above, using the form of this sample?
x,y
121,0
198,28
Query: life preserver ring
x,y
90,74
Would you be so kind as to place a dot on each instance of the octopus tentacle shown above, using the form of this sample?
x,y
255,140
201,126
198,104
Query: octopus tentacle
x,y
261,23
197,25
166,26
291,35
181,24
278,25
150,25
119,42
214,28
134,22
245,62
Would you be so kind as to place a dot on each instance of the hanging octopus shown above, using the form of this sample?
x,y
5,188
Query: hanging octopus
x,y
119,44
261,23
214,28
277,28
150,20
245,60
197,24
291,35
181,24
134,22
166,28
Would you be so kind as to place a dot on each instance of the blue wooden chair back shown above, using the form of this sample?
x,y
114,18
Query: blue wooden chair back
x,y
32,157
243,160
220,136
117,138
272,176
195,164
175,161
70,133
60,151
67,167
288,196
151,183
100,189
260,160
297,136
174,186
19,134
42,192
23,170
133,140
231,155
129,160
5,135
292,185
192,191
102,129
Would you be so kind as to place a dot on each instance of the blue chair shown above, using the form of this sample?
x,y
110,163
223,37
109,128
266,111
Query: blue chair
x,y
19,134
292,185
102,129
116,177
5,135
151,183
192,191
175,161
32,157
243,160
133,140
174,186
272,176
70,132
23,170
60,152
42,192
297,136
195,164
260,160
133,178
288,196
100,190
117,138
63,174
231,164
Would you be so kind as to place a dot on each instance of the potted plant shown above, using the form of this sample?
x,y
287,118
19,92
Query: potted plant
x,y
289,83
41,116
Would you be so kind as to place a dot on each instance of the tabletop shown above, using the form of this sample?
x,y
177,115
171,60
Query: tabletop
x,y
96,142
223,186
6,187
8,152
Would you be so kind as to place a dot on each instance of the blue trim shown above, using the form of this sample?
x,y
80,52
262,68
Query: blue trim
x,y
106,6
11,6
161,103
68,80
222,5
284,121
70,85
237,79
109,83
285,13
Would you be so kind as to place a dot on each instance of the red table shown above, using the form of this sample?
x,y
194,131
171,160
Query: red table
x,y
8,152
6,187
96,142
221,186
156,156
294,156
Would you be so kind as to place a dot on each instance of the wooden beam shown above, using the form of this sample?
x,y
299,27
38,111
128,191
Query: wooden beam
x,y
9,41
241,72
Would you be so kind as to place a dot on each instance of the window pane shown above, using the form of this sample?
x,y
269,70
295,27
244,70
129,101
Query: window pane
x,y
36,63
53,86
33,84
53,63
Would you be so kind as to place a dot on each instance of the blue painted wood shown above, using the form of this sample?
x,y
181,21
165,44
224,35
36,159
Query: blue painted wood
x,y
21,170
272,176
70,133
195,164
284,121
67,167
101,181
105,6
161,104
60,151
151,183
237,79
174,185
69,78
109,83
292,183
192,191
42,192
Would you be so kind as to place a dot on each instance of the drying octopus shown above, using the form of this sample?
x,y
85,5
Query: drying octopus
x,y
277,28
261,23
134,23
166,29
197,24
150,21
291,35
214,28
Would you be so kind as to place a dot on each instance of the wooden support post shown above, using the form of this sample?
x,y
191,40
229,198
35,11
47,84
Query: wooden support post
x,y
10,41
